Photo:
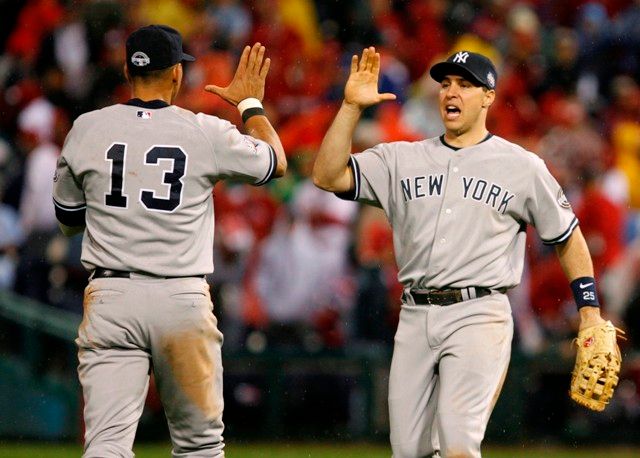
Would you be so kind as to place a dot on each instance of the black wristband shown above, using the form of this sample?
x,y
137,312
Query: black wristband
x,y
249,112
584,292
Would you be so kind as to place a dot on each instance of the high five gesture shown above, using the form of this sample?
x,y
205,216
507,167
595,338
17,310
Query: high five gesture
x,y
362,86
246,91
331,170
249,79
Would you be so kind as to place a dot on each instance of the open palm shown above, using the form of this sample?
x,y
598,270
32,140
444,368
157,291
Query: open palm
x,y
362,86
249,79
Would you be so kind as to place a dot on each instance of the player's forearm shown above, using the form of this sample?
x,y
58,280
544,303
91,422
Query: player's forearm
x,y
330,171
259,127
576,262
574,256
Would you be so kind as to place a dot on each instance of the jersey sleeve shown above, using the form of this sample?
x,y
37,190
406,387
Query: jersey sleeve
x,y
239,156
371,178
548,209
68,196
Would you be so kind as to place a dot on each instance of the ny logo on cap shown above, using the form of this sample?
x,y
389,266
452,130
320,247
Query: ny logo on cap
x,y
140,59
461,57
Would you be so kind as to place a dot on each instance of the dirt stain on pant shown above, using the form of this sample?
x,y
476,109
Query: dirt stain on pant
x,y
83,333
191,358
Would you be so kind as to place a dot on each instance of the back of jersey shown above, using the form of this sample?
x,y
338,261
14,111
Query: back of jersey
x,y
144,172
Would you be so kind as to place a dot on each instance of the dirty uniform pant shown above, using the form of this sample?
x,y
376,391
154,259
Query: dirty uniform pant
x,y
448,366
132,326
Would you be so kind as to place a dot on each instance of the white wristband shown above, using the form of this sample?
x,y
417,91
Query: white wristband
x,y
249,103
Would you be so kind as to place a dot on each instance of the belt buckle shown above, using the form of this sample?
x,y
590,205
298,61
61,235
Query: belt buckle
x,y
429,299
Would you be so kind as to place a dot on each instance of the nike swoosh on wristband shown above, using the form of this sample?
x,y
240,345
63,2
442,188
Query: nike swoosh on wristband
x,y
585,285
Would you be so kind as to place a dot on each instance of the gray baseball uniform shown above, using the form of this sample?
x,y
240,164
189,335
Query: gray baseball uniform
x,y
458,219
140,175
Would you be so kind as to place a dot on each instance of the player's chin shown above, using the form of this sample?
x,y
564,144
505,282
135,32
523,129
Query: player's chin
x,y
453,125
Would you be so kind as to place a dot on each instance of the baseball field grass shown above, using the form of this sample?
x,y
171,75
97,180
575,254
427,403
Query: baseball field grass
x,y
306,450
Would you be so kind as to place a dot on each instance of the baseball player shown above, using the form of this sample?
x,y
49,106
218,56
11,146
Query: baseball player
x,y
137,178
458,205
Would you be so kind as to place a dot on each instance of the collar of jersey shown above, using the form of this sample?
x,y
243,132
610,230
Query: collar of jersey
x,y
456,148
153,104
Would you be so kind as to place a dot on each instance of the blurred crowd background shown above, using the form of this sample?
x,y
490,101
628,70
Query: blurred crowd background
x,y
295,267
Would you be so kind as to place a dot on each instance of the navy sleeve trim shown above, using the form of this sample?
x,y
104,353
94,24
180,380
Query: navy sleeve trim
x,y
565,235
353,194
273,161
70,215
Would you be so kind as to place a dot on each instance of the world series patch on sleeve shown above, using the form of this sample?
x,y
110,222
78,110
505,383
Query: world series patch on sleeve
x,y
595,374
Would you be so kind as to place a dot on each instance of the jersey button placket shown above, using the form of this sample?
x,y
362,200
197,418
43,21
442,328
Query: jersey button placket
x,y
444,222
448,211
455,170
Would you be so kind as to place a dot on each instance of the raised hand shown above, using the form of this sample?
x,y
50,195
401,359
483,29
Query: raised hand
x,y
362,86
249,79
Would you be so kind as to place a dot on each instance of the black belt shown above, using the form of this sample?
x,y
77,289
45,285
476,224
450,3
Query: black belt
x,y
99,272
448,296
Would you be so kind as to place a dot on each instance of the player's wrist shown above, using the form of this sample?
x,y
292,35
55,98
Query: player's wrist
x,y
352,108
590,316
584,293
250,107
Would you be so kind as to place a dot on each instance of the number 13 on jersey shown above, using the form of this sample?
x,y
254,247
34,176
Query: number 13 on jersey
x,y
116,155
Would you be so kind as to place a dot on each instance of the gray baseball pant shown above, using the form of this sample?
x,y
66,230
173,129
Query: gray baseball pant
x,y
132,326
448,367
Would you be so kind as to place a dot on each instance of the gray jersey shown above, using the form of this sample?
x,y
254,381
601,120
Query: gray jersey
x,y
144,173
459,215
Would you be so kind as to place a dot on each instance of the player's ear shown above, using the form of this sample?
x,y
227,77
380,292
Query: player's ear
x,y
176,73
489,97
126,73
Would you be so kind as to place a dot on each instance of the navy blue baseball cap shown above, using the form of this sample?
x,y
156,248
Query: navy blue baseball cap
x,y
473,66
154,47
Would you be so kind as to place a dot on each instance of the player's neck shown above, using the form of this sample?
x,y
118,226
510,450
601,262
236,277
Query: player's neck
x,y
464,139
148,93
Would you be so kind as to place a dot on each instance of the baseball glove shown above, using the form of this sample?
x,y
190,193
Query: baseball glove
x,y
598,359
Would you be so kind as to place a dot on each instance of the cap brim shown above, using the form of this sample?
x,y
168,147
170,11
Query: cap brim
x,y
188,57
440,70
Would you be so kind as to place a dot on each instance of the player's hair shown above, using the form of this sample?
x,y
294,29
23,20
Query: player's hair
x,y
152,75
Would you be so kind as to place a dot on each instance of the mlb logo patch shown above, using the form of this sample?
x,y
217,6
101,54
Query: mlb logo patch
x,y
144,114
